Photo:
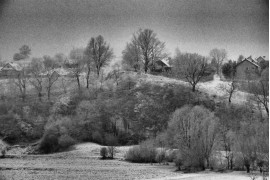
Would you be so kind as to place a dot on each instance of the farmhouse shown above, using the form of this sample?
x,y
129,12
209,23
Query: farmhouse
x,y
161,66
11,69
248,69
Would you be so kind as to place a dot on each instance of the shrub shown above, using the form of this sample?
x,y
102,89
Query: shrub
x,y
178,160
170,155
65,141
112,150
103,152
160,156
193,160
144,153
97,137
111,141
3,153
124,138
49,141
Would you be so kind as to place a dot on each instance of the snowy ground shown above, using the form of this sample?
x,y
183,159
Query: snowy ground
x,y
211,87
83,163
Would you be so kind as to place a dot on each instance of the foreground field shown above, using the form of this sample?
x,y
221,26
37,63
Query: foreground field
x,y
83,163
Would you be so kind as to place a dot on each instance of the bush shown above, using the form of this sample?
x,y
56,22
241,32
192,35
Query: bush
x,y
160,156
193,160
178,160
170,155
103,152
111,141
55,139
49,142
124,138
3,153
112,150
97,137
65,141
144,153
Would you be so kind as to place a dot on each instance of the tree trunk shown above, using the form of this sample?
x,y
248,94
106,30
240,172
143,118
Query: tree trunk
x,y
98,69
49,93
23,97
207,163
40,96
193,88
248,168
146,65
230,97
87,78
228,162
78,82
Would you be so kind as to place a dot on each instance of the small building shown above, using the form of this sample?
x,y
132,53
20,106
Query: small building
x,y
260,59
10,69
161,66
248,69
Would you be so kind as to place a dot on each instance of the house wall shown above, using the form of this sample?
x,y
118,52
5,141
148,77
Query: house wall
x,y
8,73
246,70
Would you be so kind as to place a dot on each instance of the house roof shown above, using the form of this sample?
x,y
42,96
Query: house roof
x,y
249,59
165,62
12,65
260,58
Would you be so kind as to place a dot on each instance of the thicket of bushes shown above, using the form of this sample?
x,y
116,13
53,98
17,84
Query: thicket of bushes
x,y
231,137
113,113
127,114
144,153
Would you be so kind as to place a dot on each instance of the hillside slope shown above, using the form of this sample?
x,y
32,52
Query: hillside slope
x,y
212,88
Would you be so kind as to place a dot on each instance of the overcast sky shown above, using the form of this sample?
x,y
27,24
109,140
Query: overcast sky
x,y
56,26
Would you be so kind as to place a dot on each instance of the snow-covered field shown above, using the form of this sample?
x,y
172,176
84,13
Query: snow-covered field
x,y
83,163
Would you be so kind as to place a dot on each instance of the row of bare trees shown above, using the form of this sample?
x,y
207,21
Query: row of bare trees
x,y
41,72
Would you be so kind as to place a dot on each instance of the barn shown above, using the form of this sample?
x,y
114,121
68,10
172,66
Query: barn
x,y
248,69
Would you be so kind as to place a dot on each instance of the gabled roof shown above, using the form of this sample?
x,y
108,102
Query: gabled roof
x,y
250,60
260,58
165,62
12,65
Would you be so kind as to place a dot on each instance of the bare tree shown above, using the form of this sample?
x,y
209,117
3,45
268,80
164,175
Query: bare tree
x,y
260,91
193,68
194,130
99,52
229,88
132,57
36,69
218,55
21,82
76,65
50,75
151,47
227,142
115,74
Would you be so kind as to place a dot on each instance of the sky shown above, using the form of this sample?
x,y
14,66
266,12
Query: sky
x,y
196,26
